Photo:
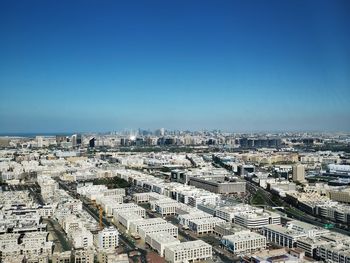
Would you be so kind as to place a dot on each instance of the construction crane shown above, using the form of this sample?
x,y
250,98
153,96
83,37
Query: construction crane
x,y
100,212
101,215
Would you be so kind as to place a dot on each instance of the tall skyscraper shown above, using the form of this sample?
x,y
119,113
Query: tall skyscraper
x,y
39,141
92,142
74,140
298,173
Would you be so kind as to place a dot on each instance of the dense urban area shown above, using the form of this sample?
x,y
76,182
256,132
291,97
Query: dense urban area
x,y
175,196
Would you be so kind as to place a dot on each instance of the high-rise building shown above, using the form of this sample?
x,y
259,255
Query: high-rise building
x,y
76,140
298,173
92,142
39,141
79,139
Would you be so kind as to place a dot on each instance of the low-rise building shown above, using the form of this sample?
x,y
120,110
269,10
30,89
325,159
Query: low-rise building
x,y
172,230
82,238
288,235
107,238
244,242
227,228
84,256
257,219
204,225
184,219
154,222
188,252
126,218
158,241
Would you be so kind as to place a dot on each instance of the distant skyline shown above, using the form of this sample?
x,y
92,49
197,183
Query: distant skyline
x,y
238,65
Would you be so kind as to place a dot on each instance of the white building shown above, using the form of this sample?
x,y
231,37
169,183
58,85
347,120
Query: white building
x,y
161,228
166,206
154,222
107,238
188,251
204,225
158,241
288,235
129,207
184,219
125,218
244,242
82,238
257,219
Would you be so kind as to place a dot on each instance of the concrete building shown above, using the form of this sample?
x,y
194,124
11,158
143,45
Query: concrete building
x,y
110,256
204,225
335,252
107,238
339,195
244,242
166,206
126,218
154,222
62,257
141,197
129,207
84,256
168,228
158,241
188,252
257,219
82,238
227,228
288,235
218,185
184,219
298,173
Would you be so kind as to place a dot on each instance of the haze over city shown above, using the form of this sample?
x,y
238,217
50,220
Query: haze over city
x,y
233,65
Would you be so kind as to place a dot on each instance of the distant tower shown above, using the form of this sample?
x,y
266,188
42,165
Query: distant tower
x,y
162,131
74,140
298,173
79,139
92,142
39,141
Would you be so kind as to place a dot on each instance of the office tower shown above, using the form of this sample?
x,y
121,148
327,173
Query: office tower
x,y
92,142
298,173
74,140
39,141
79,139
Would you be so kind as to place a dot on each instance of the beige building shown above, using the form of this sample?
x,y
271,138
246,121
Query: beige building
x,y
299,173
341,195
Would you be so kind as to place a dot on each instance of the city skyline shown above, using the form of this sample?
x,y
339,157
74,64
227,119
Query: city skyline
x,y
243,66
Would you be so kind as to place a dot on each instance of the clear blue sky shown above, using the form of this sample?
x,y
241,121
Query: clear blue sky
x,y
233,65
